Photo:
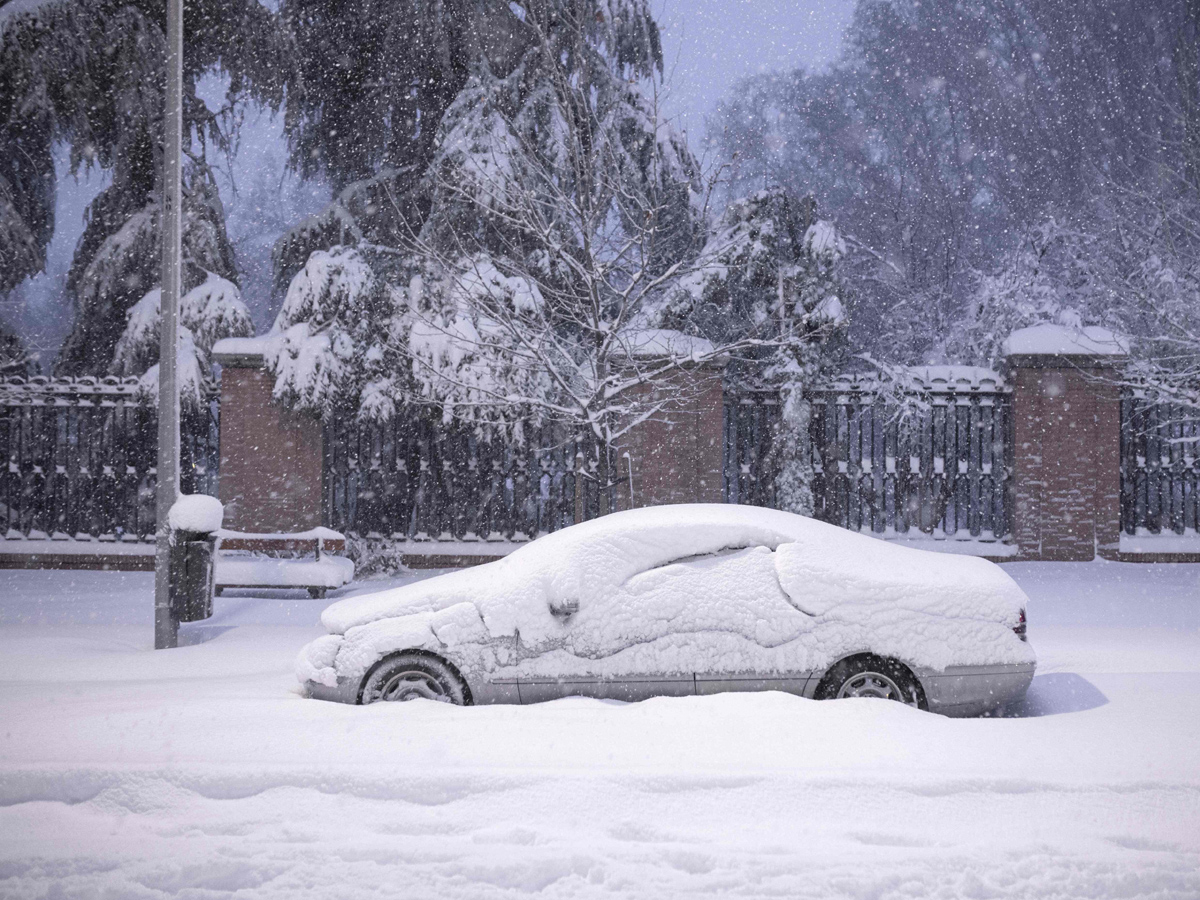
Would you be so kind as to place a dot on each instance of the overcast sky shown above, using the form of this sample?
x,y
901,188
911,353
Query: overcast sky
x,y
709,44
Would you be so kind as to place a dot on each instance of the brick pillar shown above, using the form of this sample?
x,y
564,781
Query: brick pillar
x,y
676,456
271,476
1067,431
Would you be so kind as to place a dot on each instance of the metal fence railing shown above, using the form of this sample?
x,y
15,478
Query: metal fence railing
x,y
940,464
1160,466
414,478
78,457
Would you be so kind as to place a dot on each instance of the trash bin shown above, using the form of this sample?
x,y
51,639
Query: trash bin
x,y
192,554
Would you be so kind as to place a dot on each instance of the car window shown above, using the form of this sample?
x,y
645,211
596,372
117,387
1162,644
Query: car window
x,y
694,557
734,590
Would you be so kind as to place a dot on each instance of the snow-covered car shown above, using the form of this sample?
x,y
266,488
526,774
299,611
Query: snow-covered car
x,y
689,599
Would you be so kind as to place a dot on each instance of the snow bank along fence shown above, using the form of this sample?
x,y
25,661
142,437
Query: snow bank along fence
x,y
79,459
938,466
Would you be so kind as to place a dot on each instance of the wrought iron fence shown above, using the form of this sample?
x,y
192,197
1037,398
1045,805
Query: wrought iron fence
x,y
415,479
79,457
78,460
941,465
1160,466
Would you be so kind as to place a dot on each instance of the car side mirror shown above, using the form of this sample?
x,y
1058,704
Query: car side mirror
x,y
564,608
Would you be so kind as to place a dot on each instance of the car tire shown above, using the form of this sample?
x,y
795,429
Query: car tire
x,y
869,675
414,675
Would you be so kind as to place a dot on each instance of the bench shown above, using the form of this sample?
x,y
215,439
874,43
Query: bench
x,y
301,560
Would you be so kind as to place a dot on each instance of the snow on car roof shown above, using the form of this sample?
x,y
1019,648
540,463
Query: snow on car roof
x,y
827,566
586,558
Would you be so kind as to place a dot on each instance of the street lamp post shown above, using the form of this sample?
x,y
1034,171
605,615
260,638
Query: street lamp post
x,y
166,626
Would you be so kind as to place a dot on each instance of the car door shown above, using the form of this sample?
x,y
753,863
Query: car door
x,y
762,653
629,687
700,624
563,673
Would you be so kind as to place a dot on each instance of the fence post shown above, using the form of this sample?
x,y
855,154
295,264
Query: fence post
x,y
272,467
676,456
1067,439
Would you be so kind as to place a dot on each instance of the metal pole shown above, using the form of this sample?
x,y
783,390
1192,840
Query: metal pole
x,y
166,627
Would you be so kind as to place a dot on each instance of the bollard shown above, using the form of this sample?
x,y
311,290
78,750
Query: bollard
x,y
192,555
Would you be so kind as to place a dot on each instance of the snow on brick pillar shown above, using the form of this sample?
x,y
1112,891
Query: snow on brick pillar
x,y
1067,435
271,471
675,456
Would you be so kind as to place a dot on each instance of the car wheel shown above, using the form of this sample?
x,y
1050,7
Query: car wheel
x,y
872,676
414,676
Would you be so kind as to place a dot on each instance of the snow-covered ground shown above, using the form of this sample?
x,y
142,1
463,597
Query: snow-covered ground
x,y
201,772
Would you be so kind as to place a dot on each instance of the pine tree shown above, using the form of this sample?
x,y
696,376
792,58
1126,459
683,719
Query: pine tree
x,y
90,73
14,359
340,336
435,181
770,268
515,277
26,196
207,313
368,91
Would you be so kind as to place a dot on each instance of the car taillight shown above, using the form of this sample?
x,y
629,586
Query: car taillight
x,y
1020,628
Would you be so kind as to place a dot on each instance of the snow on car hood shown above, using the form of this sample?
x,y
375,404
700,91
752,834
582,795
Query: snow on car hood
x,y
821,568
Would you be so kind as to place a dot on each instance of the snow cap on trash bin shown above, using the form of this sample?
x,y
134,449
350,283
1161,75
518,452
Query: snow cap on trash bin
x,y
196,512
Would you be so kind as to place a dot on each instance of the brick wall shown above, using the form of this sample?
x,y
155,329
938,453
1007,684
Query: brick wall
x,y
1066,480
675,456
271,459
